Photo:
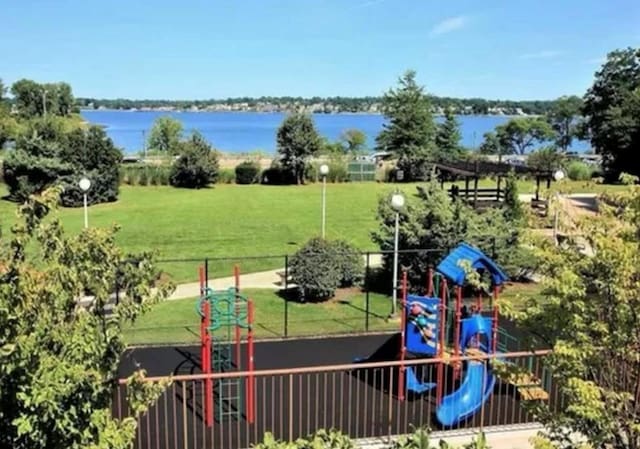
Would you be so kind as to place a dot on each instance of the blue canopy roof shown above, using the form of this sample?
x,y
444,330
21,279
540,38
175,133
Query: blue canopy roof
x,y
451,268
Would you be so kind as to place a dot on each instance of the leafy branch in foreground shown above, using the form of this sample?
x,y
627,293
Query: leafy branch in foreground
x,y
59,358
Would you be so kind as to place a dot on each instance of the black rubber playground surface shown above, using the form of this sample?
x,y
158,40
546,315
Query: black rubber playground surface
x,y
362,403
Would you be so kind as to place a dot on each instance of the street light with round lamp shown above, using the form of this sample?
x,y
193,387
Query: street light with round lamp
x,y
558,175
324,171
85,185
397,203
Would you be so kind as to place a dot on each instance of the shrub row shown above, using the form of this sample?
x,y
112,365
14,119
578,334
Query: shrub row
x,y
141,175
247,172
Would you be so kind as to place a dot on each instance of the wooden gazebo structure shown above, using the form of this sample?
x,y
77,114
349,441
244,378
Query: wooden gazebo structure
x,y
481,198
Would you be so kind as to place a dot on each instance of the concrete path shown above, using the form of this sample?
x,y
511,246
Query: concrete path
x,y
262,279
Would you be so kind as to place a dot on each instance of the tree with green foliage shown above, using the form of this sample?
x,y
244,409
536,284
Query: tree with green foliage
x,y
197,164
432,220
491,145
546,159
409,132
589,317
47,153
520,134
513,210
34,99
354,141
297,140
321,266
165,135
563,118
59,359
612,112
448,137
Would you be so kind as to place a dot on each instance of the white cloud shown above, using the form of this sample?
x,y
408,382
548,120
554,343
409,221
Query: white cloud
x,y
544,54
449,25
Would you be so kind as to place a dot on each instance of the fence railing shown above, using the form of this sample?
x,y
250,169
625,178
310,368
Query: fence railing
x,y
361,400
279,314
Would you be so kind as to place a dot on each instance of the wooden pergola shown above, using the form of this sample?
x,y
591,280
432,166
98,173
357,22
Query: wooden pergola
x,y
471,172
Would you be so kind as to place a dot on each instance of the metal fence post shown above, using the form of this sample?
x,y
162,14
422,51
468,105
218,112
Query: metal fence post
x,y
206,272
366,292
286,295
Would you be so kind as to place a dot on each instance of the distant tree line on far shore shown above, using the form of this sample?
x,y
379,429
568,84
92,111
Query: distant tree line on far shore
x,y
322,104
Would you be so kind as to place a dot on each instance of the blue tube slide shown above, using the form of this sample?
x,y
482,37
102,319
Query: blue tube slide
x,y
478,382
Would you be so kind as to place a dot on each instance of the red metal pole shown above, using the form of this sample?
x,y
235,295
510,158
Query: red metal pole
x,y
403,349
496,313
479,302
430,282
250,380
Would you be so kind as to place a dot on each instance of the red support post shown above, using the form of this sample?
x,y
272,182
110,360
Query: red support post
x,y
250,379
430,282
479,302
494,324
403,349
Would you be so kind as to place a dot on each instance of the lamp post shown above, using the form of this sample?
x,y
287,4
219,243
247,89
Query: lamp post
x,y
84,185
397,203
324,171
558,175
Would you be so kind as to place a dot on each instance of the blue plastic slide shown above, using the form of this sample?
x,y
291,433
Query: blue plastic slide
x,y
414,385
476,387
478,381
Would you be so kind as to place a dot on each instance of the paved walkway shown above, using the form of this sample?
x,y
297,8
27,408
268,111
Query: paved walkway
x,y
262,279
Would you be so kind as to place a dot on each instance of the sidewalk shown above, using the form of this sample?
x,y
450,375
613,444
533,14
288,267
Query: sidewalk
x,y
263,279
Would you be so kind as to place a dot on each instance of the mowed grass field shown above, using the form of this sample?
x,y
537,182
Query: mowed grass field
x,y
238,222
177,321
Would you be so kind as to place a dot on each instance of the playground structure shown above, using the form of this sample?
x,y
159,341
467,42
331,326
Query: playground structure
x,y
440,325
224,316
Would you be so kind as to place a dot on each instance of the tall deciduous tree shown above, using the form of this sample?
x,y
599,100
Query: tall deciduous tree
x,y
355,141
409,132
519,135
492,145
589,316
165,135
33,99
563,118
448,137
612,112
297,140
48,154
58,359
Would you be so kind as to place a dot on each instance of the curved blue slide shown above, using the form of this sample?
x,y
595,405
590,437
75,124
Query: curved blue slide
x,y
478,381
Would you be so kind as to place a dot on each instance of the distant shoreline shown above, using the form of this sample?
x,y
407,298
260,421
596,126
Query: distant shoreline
x,y
203,111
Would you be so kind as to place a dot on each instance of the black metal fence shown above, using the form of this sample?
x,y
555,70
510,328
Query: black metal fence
x,y
280,313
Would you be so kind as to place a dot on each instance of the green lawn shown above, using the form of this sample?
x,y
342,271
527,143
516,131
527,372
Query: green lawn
x,y
177,321
235,221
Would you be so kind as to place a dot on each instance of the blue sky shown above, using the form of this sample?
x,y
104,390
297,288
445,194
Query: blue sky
x,y
225,48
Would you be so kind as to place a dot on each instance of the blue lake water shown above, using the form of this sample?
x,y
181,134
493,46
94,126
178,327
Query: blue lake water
x,y
238,132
